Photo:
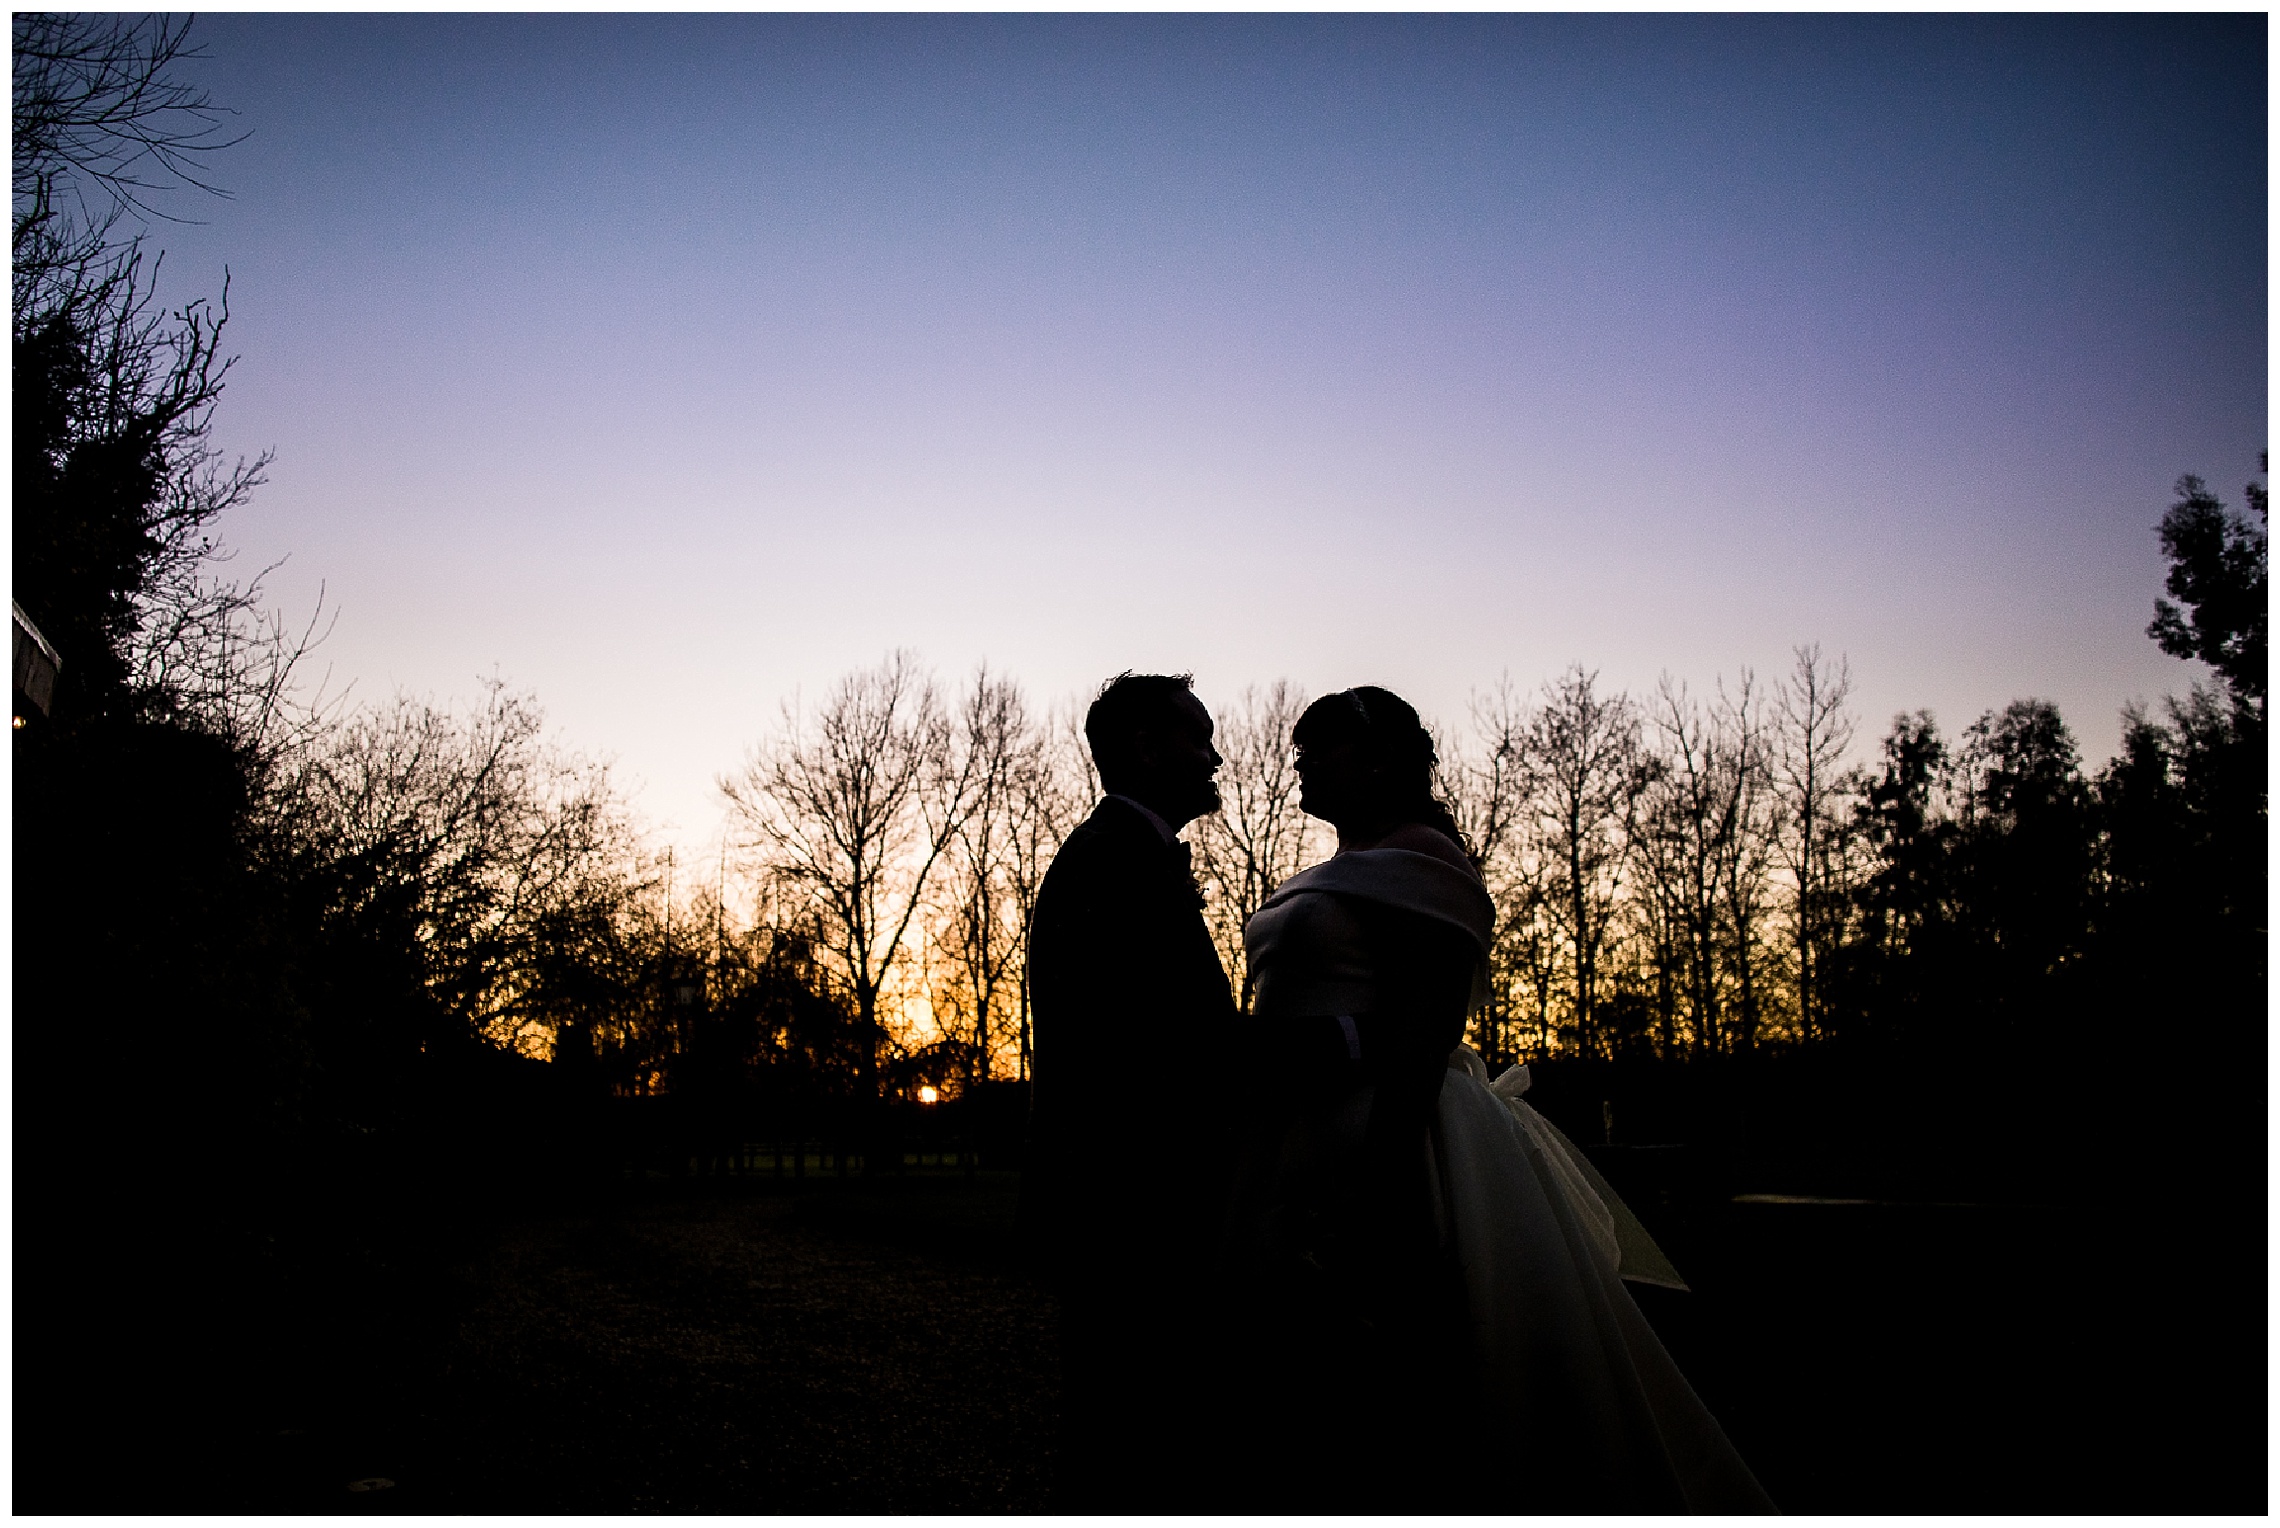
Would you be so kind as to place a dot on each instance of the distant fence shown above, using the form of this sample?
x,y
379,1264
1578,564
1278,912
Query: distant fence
x,y
679,1136
472,1116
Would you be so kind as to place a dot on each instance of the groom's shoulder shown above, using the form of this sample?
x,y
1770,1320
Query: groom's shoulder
x,y
1114,835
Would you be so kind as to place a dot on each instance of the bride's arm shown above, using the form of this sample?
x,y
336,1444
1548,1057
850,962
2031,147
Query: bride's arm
x,y
1421,991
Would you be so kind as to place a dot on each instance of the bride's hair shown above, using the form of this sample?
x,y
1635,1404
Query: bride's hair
x,y
1389,729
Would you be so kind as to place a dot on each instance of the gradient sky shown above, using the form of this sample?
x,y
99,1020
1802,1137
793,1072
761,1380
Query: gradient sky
x,y
666,365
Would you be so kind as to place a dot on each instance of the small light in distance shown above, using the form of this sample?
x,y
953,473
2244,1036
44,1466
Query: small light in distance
x,y
928,1095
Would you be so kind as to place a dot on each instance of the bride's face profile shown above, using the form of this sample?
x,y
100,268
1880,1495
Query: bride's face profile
x,y
1338,781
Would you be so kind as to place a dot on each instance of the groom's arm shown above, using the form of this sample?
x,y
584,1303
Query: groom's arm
x,y
1060,1182
1097,967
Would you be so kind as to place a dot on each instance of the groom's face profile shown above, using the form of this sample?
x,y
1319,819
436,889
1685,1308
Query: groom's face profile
x,y
1174,762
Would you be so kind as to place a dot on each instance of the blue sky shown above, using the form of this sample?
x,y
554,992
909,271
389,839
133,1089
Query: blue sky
x,y
668,365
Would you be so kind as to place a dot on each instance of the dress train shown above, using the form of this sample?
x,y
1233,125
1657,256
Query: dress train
x,y
1570,1376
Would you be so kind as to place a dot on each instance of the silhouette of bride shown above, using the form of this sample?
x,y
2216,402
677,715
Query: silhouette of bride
x,y
1430,1313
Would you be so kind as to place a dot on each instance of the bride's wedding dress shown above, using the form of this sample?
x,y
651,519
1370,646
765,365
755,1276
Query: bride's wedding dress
x,y
1506,1320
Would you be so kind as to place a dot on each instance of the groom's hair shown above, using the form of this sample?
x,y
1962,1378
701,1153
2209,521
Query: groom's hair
x,y
1127,706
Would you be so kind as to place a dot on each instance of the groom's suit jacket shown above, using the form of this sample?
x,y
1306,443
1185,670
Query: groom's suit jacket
x,y
1128,1160
1133,1019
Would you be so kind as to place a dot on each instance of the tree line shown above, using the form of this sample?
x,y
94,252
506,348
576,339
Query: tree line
x,y
1677,876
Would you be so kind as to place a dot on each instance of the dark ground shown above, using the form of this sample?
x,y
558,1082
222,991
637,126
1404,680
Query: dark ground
x,y
838,1345
707,1346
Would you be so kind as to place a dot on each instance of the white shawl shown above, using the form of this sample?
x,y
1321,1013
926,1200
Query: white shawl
x,y
1415,882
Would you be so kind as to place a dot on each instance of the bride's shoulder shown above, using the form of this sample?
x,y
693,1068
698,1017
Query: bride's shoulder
x,y
1420,839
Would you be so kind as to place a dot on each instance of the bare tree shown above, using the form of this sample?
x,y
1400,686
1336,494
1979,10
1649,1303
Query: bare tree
x,y
1529,951
206,646
1658,908
101,124
1813,731
1583,754
1259,837
1703,849
472,831
97,111
117,481
1053,786
852,809
1074,752
1485,781
1686,822
1749,852
982,927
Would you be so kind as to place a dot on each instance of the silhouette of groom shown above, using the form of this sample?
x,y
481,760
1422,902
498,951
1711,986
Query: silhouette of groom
x,y
1127,1132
